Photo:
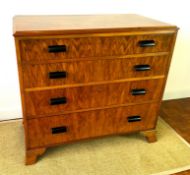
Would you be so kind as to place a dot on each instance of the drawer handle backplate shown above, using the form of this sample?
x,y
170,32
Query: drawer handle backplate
x,y
57,48
57,101
138,91
147,43
142,67
55,75
134,118
58,130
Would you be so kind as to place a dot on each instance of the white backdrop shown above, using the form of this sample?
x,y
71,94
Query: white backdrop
x,y
172,11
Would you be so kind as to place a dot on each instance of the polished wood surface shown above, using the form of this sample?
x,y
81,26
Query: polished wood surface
x,y
98,57
32,155
38,102
187,172
177,114
37,49
93,83
90,124
150,135
57,24
93,70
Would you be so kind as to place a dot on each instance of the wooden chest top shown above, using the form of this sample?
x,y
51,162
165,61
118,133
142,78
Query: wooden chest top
x,y
72,24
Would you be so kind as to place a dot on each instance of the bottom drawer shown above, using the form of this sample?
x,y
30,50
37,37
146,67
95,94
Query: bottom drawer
x,y
65,128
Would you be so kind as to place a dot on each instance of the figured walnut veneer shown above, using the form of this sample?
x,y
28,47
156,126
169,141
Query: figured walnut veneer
x,y
96,70
97,123
93,46
97,64
38,102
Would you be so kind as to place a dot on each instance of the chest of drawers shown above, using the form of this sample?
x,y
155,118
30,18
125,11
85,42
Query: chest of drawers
x,y
90,76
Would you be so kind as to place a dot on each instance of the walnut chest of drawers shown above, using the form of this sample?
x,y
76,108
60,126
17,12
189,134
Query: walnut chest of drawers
x,y
90,76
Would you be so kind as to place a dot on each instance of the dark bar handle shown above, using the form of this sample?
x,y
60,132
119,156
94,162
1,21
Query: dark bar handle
x,y
147,43
57,48
142,67
58,130
134,118
58,101
55,75
138,91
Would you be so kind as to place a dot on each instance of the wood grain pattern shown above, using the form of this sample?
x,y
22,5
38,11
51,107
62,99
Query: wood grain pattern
x,y
38,102
21,83
176,113
55,87
97,123
37,49
99,59
187,172
154,54
32,155
59,24
93,71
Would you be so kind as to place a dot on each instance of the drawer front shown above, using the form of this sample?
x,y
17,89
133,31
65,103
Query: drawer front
x,y
59,129
93,71
68,48
58,101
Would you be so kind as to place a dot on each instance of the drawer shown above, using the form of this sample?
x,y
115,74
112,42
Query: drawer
x,y
69,48
59,101
93,71
59,129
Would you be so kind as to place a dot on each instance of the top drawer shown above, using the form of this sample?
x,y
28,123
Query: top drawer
x,y
72,48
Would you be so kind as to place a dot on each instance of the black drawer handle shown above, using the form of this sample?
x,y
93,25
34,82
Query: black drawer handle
x,y
57,48
134,118
58,101
147,43
55,75
138,91
58,130
142,67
